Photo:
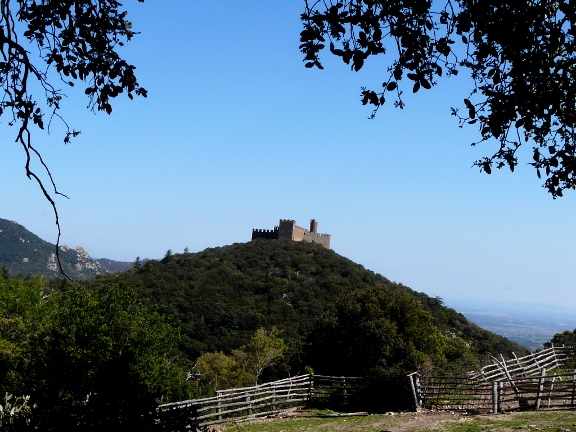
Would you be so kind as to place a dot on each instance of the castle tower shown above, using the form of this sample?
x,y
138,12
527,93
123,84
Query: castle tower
x,y
313,226
287,228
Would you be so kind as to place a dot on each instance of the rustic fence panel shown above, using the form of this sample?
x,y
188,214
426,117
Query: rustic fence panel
x,y
456,393
246,402
524,393
556,391
353,394
513,384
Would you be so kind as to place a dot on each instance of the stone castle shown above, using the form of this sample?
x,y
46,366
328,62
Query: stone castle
x,y
287,229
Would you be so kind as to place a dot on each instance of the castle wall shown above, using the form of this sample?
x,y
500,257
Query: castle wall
x,y
298,233
323,239
267,234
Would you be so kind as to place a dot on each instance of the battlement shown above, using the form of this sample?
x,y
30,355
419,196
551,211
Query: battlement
x,y
287,229
264,230
265,233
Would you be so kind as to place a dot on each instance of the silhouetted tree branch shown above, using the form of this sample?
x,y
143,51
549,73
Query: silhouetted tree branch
x,y
72,40
521,56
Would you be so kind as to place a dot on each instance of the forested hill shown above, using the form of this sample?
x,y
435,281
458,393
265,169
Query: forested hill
x,y
222,295
24,253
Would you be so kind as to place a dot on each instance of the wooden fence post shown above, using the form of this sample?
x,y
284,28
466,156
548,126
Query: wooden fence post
x,y
421,393
273,397
413,378
540,388
219,395
495,397
310,388
249,405
500,395
573,388
551,390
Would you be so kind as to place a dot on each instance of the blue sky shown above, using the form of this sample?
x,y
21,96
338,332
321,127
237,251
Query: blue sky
x,y
236,133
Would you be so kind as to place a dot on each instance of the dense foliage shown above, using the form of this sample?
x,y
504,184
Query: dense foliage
x,y
87,360
380,331
568,339
218,371
220,297
519,54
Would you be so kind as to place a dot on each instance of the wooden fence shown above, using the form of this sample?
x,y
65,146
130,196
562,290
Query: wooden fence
x,y
518,383
545,391
353,394
343,394
556,391
246,402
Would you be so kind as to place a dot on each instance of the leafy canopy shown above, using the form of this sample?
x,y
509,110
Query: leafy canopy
x,y
217,371
519,54
380,330
567,339
87,359
264,349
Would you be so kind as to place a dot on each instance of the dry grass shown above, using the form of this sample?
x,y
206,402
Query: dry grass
x,y
310,420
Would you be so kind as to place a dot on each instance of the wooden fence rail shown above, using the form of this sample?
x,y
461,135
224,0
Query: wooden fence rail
x,y
549,358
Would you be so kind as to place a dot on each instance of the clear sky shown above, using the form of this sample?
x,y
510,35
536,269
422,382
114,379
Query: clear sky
x,y
236,134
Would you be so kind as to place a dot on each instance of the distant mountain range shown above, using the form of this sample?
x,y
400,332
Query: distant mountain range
x,y
24,253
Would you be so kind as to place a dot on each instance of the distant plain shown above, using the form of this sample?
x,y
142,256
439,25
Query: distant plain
x,y
528,324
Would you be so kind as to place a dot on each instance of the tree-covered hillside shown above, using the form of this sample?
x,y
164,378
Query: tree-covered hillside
x,y
221,296
24,253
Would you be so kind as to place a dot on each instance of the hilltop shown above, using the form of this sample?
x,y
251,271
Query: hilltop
x,y
24,253
220,296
